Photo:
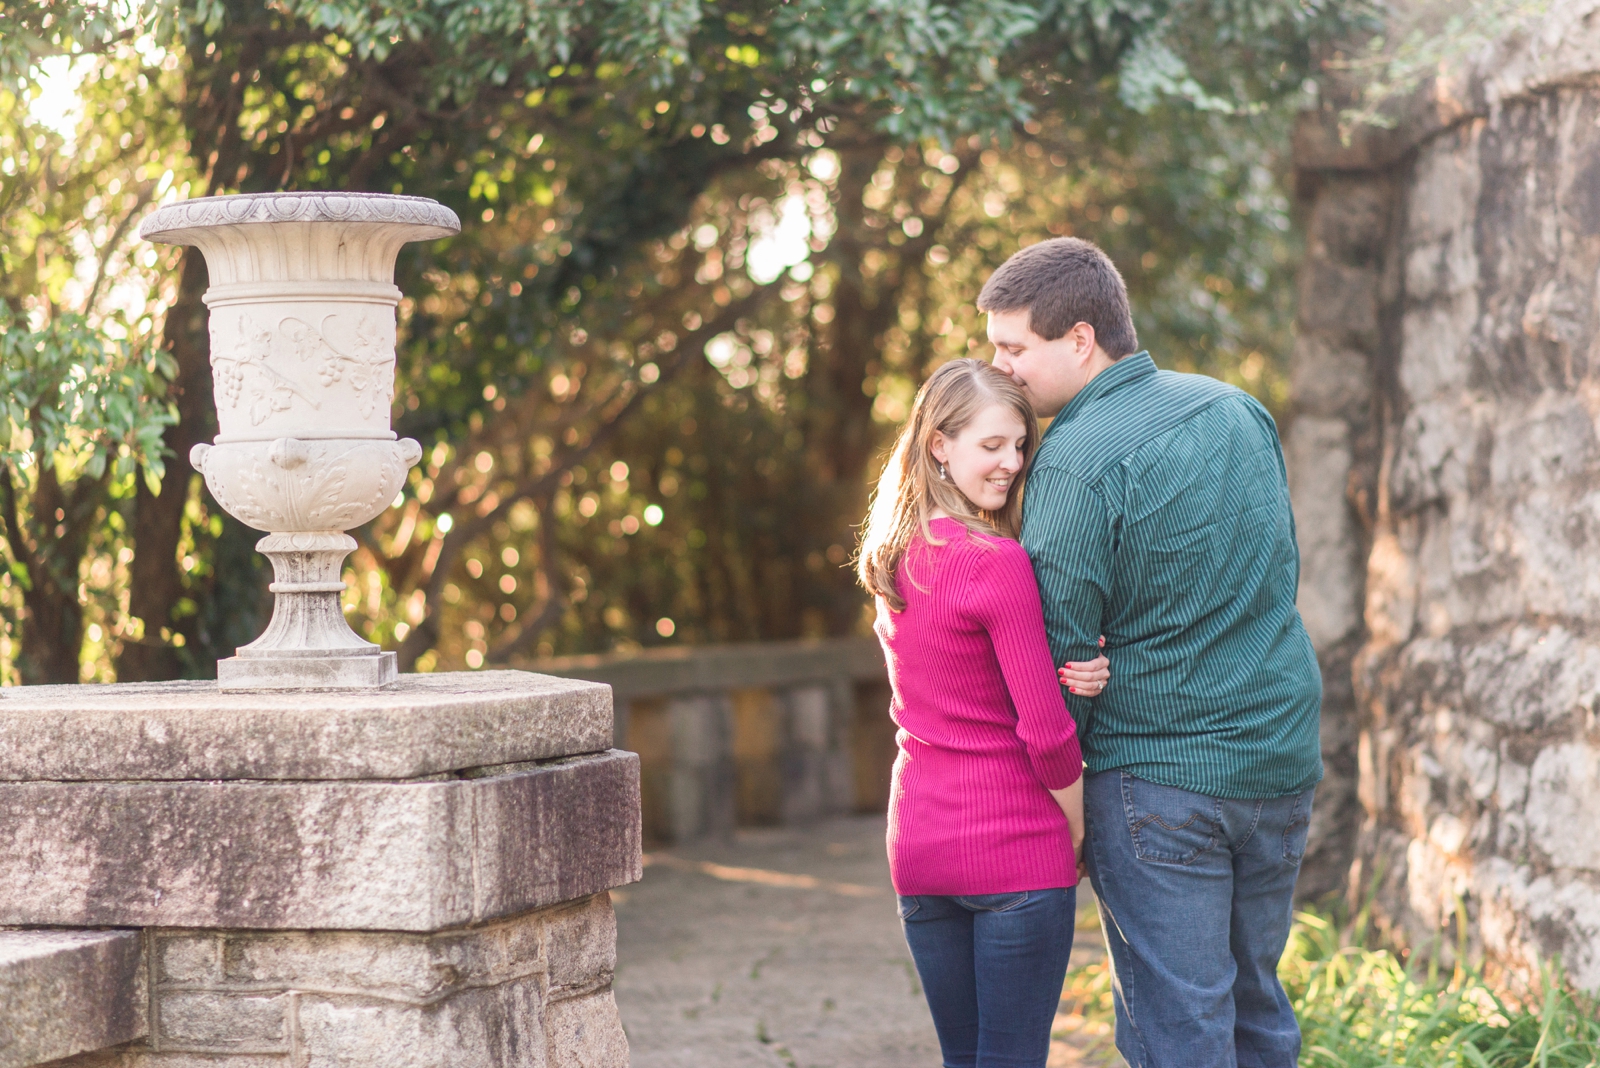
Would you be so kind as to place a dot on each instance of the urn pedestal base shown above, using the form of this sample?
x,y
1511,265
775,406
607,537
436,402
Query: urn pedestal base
x,y
359,672
308,645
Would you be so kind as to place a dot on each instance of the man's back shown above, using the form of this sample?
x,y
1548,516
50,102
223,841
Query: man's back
x,y
1157,513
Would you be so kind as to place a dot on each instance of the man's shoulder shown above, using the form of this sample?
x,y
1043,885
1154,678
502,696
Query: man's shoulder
x,y
1132,418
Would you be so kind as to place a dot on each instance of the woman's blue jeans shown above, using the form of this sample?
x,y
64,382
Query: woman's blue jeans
x,y
992,966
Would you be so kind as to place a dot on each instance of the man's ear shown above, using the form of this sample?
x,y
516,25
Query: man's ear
x,y
1083,340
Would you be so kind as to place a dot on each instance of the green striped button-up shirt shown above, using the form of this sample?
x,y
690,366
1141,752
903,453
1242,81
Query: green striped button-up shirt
x,y
1157,513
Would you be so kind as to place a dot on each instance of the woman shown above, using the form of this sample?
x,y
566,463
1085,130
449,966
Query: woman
x,y
986,809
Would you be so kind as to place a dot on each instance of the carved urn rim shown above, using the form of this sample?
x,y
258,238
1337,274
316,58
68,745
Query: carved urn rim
x,y
171,223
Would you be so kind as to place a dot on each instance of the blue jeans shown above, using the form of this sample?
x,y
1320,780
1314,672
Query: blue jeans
x,y
1195,896
992,966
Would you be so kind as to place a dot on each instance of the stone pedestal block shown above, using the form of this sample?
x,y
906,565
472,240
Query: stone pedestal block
x,y
423,725
64,992
404,856
258,672
409,877
533,990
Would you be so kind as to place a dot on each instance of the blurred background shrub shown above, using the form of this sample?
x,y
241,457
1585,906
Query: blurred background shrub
x,y
709,251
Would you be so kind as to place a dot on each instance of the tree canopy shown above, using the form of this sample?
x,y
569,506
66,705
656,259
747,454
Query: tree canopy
x,y
709,251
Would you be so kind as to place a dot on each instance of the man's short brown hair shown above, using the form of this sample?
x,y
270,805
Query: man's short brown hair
x,y
1062,282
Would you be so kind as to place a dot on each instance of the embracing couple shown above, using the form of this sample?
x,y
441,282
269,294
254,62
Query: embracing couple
x,y
1156,524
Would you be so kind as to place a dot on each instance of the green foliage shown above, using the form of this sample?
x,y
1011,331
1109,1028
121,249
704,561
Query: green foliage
x,y
80,417
926,68
643,424
35,29
1424,40
86,401
68,396
937,70
1362,1006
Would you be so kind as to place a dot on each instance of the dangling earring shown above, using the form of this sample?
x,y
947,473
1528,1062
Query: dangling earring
x,y
942,476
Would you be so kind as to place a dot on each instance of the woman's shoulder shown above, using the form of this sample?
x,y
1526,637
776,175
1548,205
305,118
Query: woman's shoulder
x,y
1007,559
955,532
949,551
989,552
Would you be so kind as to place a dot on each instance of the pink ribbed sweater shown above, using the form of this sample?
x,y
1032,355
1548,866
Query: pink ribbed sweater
x,y
984,733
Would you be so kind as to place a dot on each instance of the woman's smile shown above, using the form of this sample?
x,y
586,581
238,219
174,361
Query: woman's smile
x,y
984,457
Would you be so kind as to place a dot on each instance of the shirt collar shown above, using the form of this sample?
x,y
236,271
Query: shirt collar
x,y
1128,369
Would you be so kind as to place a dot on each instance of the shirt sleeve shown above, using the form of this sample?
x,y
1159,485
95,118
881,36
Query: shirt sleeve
x,y
1004,600
1069,534
1269,430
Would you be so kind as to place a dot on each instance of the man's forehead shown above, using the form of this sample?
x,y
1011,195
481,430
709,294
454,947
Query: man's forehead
x,y
1010,327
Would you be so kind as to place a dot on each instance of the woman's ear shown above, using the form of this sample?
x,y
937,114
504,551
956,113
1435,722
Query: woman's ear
x,y
939,447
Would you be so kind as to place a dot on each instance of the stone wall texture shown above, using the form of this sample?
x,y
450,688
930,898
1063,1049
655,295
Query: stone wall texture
x,y
408,856
66,992
422,725
1445,459
533,991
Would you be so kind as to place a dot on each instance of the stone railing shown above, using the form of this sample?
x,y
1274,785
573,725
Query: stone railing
x,y
749,734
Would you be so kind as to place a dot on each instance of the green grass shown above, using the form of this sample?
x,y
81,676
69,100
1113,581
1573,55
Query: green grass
x,y
1361,1006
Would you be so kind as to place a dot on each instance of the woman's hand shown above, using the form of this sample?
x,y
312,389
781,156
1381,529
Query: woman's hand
x,y
1070,799
1086,679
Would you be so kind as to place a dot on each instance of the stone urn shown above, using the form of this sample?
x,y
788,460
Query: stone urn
x,y
302,303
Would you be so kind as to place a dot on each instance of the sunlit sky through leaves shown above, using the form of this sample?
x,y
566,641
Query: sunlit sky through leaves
x,y
781,241
57,106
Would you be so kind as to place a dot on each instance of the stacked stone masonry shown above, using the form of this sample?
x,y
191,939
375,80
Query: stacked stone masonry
x,y
1444,457
533,990
416,876
1331,448
406,856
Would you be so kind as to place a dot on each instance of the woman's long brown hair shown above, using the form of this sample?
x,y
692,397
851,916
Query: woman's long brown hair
x,y
911,487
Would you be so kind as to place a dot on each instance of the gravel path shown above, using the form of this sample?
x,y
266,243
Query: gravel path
x,y
781,948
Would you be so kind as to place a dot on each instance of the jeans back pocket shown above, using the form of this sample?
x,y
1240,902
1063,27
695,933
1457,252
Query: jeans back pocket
x,y
993,902
1169,825
1298,829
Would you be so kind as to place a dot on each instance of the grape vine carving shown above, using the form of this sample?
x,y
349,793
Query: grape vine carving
x,y
243,372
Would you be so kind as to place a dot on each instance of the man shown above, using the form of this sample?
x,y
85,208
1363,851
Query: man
x,y
1157,514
